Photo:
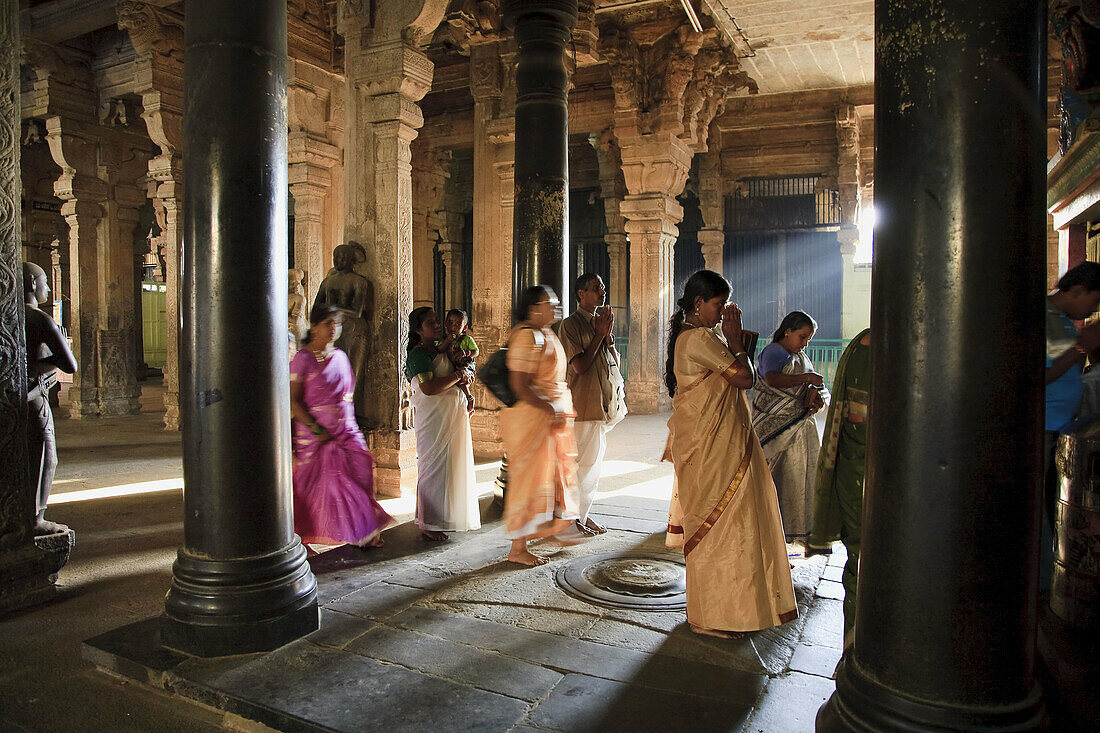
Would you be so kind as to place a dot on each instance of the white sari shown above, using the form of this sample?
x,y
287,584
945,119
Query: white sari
x,y
446,489
788,434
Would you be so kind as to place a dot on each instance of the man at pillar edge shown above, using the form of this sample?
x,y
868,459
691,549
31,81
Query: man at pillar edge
x,y
1076,297
596,383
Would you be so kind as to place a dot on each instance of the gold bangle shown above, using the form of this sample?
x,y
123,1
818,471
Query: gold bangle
x,y
741,353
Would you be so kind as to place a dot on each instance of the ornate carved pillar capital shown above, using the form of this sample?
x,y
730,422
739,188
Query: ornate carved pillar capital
x,y
654,164
848,139
712,242
409,20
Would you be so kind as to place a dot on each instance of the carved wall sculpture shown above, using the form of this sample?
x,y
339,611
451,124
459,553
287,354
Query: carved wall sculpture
x,y
16,508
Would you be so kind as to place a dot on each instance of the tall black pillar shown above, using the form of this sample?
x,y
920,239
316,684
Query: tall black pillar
x,y
241,582
541,215
946,614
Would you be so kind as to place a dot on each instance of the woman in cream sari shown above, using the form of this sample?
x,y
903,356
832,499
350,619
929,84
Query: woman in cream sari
x,y
738,577
446,489
543,496
789,393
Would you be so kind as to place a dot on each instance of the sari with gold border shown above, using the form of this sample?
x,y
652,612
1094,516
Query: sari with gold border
x,y
738,575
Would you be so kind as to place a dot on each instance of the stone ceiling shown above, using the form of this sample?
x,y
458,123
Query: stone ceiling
x,y
798,45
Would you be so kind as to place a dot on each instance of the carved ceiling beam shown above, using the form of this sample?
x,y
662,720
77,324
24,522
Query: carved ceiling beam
x,y
157,36
469,22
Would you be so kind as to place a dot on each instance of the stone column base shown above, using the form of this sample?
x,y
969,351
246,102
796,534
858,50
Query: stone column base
x,y
647,398
485,426
28,572
394,454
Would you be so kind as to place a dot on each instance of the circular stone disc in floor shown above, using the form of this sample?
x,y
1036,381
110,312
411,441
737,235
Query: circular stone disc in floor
x,y
633,581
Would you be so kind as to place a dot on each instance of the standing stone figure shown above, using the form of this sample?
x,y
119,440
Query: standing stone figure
x,y
357,250
47,351
351,293
296,321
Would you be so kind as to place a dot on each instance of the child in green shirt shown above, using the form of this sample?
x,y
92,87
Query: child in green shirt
x,y
460,348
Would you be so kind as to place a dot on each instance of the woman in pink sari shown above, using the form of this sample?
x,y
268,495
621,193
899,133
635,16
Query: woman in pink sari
x,y
333,470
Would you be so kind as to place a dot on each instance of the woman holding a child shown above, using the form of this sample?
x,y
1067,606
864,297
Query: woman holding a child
x,y
446,490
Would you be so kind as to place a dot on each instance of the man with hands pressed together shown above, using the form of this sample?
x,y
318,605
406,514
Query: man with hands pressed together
x,y
596,383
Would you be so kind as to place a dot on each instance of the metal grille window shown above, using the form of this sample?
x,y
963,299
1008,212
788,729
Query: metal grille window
x,y
782,203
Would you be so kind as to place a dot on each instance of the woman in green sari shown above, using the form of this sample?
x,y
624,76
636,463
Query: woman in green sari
x,y
838,496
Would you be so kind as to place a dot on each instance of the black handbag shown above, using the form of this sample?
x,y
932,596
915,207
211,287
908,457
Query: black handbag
x,y
494,373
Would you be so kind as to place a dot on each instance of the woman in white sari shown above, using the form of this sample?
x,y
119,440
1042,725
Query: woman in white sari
x,y
446,489
788,396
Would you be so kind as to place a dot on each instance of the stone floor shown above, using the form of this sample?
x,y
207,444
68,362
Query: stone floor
x,y
414,636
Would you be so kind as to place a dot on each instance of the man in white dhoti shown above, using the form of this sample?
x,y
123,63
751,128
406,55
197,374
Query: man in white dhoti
x,y
596,383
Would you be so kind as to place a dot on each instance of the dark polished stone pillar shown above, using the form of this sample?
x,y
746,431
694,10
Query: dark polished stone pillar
x,y
946,614
541,213
241,582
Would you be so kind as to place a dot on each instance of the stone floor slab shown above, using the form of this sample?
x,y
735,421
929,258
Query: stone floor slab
x,y
632,524
581,703
659,671
816,660
378,601
340,691
830,589
825,624
338,629
458,662
790,704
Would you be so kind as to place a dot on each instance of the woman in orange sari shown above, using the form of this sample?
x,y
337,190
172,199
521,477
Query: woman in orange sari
x,y
543,497
738,576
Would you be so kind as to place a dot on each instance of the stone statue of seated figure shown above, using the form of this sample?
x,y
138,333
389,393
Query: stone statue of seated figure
x,y
351,293
47,351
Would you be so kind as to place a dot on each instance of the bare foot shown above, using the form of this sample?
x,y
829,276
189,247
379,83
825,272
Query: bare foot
x,y
718,633
45,526
592,525
526,557
573,535
375,541
434,536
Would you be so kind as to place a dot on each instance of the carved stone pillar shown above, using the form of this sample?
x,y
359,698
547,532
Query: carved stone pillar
x,y
452,254
430,174
237,591
612,191
712,237
651,224
28,564
84,198
654,166
848,181
668,87
491,74
167,172
387,75
157,36
118,387
848,174
540,252
310,180
946,640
